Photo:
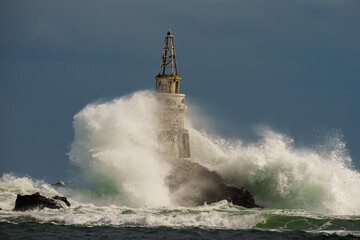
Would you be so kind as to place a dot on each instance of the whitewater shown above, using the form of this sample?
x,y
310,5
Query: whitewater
x,y
117,181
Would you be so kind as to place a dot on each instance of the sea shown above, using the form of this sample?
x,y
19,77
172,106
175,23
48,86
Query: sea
x,y
116,183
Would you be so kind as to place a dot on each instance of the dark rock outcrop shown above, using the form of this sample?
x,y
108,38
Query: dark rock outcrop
x,y
191,184
28,202
62,199
60,184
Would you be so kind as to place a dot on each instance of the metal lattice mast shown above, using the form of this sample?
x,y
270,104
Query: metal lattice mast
x,y
168,59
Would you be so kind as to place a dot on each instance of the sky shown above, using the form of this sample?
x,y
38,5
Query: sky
x,y
291,65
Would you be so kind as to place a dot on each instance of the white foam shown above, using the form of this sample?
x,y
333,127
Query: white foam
x,y
115,149
11,185
220,215
281,175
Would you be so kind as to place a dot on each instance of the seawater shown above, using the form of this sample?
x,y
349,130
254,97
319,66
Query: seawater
x,y
117,188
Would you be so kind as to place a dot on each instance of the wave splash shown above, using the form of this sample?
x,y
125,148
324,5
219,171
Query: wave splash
x,y
115,151
319,179
220,215
213,216
120,178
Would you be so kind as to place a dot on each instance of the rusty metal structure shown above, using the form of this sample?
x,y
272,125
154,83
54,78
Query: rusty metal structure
x,y
168,82
168,58
171,102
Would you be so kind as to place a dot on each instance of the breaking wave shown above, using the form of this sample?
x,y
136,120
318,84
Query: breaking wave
x,y
319,179
119,178
220,215
116,152
115,149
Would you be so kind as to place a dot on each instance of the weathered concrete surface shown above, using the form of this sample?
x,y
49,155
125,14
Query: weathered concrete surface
x,y
191,184
28,202
172,135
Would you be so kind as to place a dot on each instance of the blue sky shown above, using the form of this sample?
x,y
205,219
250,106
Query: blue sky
x,y
292,65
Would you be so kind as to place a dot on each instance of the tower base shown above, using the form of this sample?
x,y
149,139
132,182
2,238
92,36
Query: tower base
x,y
172,135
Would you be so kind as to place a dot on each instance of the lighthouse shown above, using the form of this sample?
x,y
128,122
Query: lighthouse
x,y
171,105
190,184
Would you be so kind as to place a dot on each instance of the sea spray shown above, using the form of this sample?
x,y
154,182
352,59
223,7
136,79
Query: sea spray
x,y
217,216
220,215
116,151
108,135
10,186
280,175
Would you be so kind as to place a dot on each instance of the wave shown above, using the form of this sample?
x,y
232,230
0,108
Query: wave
x,y
88,214
319,179
117,161
115,151
220,215
11,185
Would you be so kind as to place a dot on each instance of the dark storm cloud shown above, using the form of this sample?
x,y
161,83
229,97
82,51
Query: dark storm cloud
x,y
290,64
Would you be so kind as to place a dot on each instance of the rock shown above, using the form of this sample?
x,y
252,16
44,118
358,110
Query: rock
x,y
28,202
60,184
62,199
191,184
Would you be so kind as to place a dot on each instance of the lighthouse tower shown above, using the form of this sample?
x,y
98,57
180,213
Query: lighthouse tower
x,y
172,134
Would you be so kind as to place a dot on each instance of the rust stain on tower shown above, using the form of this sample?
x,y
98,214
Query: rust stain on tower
x,y
173,135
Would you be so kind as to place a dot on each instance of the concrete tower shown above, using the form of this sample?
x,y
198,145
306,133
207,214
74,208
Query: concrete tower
x,y
171,105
